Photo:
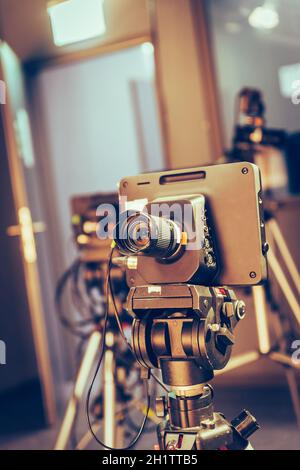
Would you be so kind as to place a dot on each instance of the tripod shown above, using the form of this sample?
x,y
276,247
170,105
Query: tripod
x,y
113,422
277,352
113,383
187,332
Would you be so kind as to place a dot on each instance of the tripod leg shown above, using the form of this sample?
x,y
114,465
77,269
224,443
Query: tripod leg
x,y
285,252
109,393
260,307
284,285
78,390
293,387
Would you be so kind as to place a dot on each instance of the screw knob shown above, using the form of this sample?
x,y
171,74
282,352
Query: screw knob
x,y
245,424
240,309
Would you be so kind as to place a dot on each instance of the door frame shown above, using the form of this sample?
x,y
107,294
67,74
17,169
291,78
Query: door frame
x,y
29,267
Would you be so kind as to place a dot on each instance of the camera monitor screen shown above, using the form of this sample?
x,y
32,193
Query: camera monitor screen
x,y
201,225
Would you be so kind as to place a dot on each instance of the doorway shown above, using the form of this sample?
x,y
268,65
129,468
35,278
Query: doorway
x,y
94,122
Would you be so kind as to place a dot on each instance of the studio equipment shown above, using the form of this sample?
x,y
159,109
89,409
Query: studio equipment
x,y
254,142
186,238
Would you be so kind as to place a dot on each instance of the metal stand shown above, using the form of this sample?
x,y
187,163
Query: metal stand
x,y
193,424
82,377
109,389
187,332
276,354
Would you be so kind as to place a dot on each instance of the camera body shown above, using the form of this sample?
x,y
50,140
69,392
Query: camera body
x,y
208,223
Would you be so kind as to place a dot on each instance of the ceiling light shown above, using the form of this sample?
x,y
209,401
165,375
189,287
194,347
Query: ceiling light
x,y
76,20
264,17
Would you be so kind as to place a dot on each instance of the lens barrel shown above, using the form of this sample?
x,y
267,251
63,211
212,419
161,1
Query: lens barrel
x,y
147,234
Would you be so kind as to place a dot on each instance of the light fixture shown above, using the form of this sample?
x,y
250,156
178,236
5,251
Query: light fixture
x,y
289,79
147,48
264,17
76,20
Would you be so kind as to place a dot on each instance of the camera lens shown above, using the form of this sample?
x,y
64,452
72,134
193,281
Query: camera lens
x,y
151,235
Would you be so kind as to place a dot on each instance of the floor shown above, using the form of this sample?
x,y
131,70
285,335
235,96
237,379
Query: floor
x,y
271,407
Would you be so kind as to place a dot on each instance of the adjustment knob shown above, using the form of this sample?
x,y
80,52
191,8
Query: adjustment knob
x,y
240,309
265,248
245,424
225,336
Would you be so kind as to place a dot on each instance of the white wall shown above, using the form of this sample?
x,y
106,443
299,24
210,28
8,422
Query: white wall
x,y
90,125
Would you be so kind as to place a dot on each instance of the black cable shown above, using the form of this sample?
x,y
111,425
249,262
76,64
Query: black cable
x,y
148,429
77,299
80,295
67,275
141,429
121,329
73,326
102,350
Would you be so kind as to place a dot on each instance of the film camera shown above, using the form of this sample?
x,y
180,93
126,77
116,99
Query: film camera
x,y
183,234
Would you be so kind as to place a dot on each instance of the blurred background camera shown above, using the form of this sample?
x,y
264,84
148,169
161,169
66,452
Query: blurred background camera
x,y
254,141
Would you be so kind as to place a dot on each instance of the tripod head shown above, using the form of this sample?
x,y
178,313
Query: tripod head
x,y
185,330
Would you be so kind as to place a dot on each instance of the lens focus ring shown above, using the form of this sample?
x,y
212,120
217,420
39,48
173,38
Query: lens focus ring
x,y
165,242
150,235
